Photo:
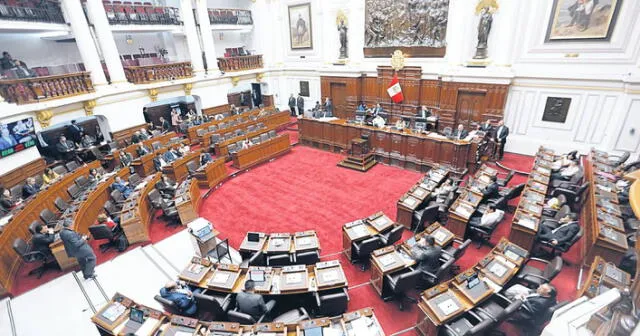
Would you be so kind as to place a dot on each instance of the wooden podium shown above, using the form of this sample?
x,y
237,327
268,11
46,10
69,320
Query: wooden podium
x,y
359,159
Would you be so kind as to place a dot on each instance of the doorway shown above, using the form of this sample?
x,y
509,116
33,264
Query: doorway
x,y
256,94
339,98
470,108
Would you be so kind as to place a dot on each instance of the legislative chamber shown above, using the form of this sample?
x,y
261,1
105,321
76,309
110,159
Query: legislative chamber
x,y
319,168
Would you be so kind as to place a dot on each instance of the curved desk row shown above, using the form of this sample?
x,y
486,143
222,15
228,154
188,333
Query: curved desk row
x,y
212,173
261,152
144,166
192,132
415,198
17,227
273,121
114,157
137,212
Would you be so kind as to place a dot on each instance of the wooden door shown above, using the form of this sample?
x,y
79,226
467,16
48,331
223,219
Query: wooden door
x,y
339,98
470,108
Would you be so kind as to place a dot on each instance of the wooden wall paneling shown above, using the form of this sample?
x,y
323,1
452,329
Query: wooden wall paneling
x,y
398,148
216,109
370,90
414,152
18,175
430,93
381,145
349,90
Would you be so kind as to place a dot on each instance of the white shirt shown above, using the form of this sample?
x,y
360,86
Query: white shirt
x,y
490,219
570,171
500,131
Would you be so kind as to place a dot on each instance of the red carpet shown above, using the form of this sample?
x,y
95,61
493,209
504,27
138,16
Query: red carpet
x,y
305,190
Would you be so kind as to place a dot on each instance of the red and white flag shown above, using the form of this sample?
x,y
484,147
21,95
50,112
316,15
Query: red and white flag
x,y
394,90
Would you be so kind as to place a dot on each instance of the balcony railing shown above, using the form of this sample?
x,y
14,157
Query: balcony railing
x,y
141,14
48,12
37,89
230,16
143,74
240,63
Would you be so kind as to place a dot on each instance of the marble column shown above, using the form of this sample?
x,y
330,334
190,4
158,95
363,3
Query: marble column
x,y
105,39
88,51
208,45
191,33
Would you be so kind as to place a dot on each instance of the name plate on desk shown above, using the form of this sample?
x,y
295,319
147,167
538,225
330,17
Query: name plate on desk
x,y
196,270
224,277
380,221
328,275
357,231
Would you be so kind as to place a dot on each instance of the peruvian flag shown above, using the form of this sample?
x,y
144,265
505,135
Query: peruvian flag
x,y
394,90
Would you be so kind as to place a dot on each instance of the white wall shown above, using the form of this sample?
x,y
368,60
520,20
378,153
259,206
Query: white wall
x,y
30,48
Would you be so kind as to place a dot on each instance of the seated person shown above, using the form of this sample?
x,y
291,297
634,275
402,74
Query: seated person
x,y
94,176
65,148
205,158
423,112
251,303
563,161
427,254
218,117
443,191
165,184
492,190
378,121
170,155
399,124
6,200
460,133
49,176
534,303
122,187
142,150
246,144
489,219
377,110
159,162
41,240
136,137
183,149
125,159
362,107
106,220
165,126
567,172
263,112
181,295
563,234
144,134
30,188
86,140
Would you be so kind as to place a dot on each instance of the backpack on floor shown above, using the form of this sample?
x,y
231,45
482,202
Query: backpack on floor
x,y
122,243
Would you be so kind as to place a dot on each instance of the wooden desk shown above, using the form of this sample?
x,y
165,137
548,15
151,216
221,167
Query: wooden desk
x,y
364,228
187,199
417,195
177,170
271,122
281,243
113,158
386,261
467,203
405,149
179,325
192,132
113,317
261,152
137,212
211,174
603,276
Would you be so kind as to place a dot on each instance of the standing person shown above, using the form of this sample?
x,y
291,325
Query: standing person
x,y
75,131
175,120
500,137
328,107
76,247
300,103
292,105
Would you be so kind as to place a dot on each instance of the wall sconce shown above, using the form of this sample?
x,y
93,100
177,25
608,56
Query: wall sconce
x,y
129,39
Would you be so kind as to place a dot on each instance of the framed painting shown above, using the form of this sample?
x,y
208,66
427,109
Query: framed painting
x,y
556,109
300,31
304,88
580,20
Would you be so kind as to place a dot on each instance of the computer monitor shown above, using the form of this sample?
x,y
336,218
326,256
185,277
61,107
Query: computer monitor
x,y
136,315
253,237
256,275
473,281
317,331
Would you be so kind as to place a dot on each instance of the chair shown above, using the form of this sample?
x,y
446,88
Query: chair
x,y
533,277
561,248
82,182
392,235
156,145
443,271
554,221
212,306
331,303
469,324
156,199
264,137
447,131
497,308
33,225
483,233
256,259
502,182
278,260
575,180
28,256
292,316
16,192
221,252
618,160
112,210
60,170
272,134
117,197
307,257
192,167
535,325
72,165
48,217
101,232
456,253
168,305
400,284
242,318
74,191
134,179
511,193
170,213
574,198
361,251
425,217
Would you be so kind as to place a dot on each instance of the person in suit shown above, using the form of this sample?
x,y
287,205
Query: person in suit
x,y
6,200
125,159
253,304
6,139
167,185
122,187
159,162
423,112
65,148
328,107
460,133
500,137
181,295
94,176
427,254
142,150
77,247
205,158
486,127
135,137
165,126
567,172
49,176
300,105
86,140
563,234
292,105
75,131
489,219
535,304
377,110
492,190
170,155
144,134
42,238
30,188
362,107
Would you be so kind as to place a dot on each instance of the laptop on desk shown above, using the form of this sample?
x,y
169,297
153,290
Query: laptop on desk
x,y
136,320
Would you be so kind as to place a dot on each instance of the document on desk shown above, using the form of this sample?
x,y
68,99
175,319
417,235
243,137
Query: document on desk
x,y
439,236
147,327
330,276
498,269
328,331
410,201
360,230
527,222
387,260
511,255
448,306
114,311
303,241
221,278
182,333
195,268
359,327
293,278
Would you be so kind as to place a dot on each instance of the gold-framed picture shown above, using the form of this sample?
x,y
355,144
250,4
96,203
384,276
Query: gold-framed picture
x,y
300,28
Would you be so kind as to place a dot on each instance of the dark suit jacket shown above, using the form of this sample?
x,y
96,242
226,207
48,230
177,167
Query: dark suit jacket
x,y
29,190
536,308
464,134
251,303
185,304
61,149
125,160
135,138
157,164
74,132
169,156
428,258
142,152
166,126
6,203
423,113
74,245
300,103
292,101
564,234
504,135
41,242
491,191
206,158
486,128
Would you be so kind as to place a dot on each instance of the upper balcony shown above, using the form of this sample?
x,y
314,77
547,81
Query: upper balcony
x,y
126,13
26,86
154,69
23,11
230,19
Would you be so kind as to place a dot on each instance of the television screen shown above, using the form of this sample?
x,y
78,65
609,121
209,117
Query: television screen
x,y
16,136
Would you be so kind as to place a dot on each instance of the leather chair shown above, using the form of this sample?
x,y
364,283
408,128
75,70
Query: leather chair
x,y
72,165
165,192
168,305
192,167
361,251
134,179
293,316
482,233
29,256
60,170
264,137
278,260
554,221
82,182
502,182
400,283
101,232
272,134
574,197
548,212
432,279
469,324
16,192
156,145
511,193
112,210
559,249
33,225
332,302
497,308
61,204
212,306
48,217
242,318
117,197
392,236
534,326
307,257
456,253
170,213
156,199
532,277
221,253
575,180
615,160
74,191
425,217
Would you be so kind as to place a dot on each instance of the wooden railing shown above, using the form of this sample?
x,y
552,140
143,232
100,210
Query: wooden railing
x,y
240,63
230,16
158,72
36,89
50,13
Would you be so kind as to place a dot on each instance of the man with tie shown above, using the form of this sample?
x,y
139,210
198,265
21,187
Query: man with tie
x,y
30,188
535,304
75,131
460,133
427,254
377,110
42,238
77,247
65,148
563,234
492,190
486,127
500,137
292,105
142,150
300,103
170,156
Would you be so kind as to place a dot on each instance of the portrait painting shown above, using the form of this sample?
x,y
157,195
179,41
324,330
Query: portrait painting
x,y
300,31
556,109
576,20
304,88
